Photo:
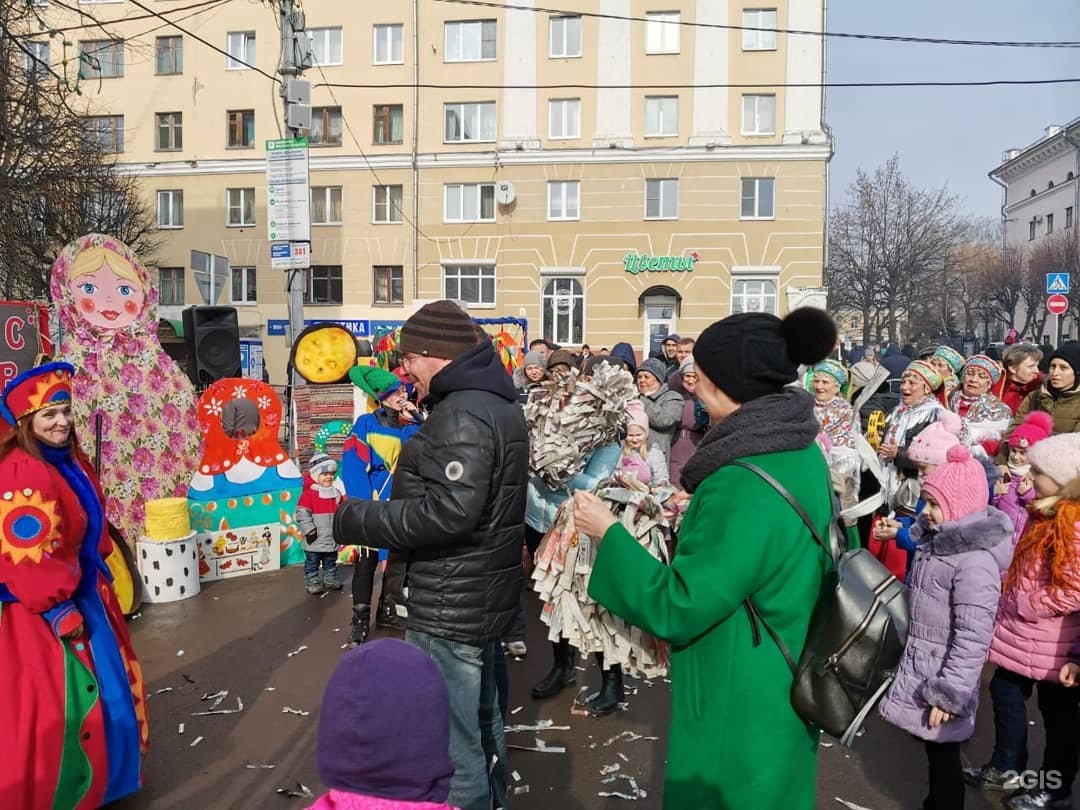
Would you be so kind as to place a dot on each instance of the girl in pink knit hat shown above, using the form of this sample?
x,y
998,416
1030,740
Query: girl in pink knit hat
x,y
640,459
1016,490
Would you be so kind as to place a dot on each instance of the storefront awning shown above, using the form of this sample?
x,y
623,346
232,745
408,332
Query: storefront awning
x,y
175,324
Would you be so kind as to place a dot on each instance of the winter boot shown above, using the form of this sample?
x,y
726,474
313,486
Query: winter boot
x,y
562,672
330,580
388,616
314,586
611,691
361,625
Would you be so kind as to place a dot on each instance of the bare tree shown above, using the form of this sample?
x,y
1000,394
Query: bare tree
x,y
58,169
889,243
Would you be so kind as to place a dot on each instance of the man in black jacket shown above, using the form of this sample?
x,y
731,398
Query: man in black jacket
x,y
457,511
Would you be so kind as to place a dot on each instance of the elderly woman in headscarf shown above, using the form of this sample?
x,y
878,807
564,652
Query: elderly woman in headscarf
x,y
839,426
948,362
918,407
985,418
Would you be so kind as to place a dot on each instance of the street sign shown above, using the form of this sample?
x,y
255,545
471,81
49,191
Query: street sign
x,y
275,327
290,256
1057,283
288,205
1057,304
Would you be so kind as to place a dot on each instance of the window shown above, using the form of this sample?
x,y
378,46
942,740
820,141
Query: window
x,y
1069,217
662,32
105,211
241,48
473,202
36,60
241,205
758,115
241,125
107,131
101,59
326,205
470,123
386,204
171,286
388,123
471,283
562,307
760,40
563,200
170,209
564,118
388,45
170,131
168,55
243,285
389,284
326,45
1031,231
661,115
325,126
324,284
757,198
470,41
753,295
661,199
1049,223
564,35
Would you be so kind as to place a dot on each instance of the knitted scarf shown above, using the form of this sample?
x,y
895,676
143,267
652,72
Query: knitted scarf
x,y
768,424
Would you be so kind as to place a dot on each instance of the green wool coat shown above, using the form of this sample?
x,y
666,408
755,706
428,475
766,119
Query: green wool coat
x,y
735,741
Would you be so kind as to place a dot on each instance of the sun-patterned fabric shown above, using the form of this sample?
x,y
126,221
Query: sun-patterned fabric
x,y
29,526
36,389
150,437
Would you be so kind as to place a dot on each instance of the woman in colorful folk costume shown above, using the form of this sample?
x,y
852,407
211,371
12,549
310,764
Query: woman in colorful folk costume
x,y
71,691
918,407
948,362
838,424
985,417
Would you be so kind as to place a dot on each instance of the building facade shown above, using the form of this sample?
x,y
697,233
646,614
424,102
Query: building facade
x,y
606,178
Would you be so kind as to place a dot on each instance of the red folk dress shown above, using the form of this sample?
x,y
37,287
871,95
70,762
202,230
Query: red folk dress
x,y
72,700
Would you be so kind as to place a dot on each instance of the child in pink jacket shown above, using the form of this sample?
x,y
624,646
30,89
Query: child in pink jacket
x,y
1016,490
384,731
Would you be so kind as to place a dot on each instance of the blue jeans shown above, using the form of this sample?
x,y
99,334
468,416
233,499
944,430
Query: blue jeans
x,y
312,560
476,727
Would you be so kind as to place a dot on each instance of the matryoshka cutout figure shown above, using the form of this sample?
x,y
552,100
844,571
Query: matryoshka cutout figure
x,y
150,439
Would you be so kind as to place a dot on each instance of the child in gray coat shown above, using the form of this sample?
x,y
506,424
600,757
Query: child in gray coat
x,y
315,517
963,547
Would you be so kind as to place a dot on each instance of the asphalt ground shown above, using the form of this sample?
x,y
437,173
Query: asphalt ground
x,y
237,635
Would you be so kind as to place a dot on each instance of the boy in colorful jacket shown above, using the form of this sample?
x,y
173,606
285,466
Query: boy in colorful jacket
x,y
315,517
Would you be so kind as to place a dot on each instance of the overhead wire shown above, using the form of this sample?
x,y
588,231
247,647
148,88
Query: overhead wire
x,y
702,85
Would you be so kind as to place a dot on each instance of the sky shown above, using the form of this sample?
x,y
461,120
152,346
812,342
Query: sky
x,y
946,136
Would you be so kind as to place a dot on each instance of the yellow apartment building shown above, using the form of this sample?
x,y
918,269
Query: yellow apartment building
x,y
465,151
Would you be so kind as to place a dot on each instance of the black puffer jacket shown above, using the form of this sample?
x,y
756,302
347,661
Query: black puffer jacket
x,y
457,507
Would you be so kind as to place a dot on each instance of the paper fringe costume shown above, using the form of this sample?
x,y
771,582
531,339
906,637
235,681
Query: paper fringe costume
x,y
107,303
569,418
564,563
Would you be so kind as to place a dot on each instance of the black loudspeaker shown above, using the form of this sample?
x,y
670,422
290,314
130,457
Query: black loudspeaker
x,y
212,335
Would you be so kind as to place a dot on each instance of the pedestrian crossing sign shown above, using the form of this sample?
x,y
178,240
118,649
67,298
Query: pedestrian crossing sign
x,y
1057,283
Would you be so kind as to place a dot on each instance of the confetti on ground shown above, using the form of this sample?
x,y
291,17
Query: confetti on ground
x,y
257,767
624,757
541,747
337,630
516,775
179,653
302,791
291,710
542,725
610,769
195,742
826,745
136,616
850,805
629,736
163,690
343,646
518,709
519,789
180,729
217,697
239,708
635,791
298,650
270,689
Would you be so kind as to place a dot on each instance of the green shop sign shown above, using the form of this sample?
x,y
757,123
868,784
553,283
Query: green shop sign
x,y
643,263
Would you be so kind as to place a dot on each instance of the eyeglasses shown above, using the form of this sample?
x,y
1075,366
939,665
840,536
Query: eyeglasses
x,y
408,358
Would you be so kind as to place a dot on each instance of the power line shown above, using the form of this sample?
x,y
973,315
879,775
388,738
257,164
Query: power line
x,y
705,86
792,31
46,29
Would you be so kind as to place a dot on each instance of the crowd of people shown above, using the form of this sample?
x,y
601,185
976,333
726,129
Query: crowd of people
x,y
961,474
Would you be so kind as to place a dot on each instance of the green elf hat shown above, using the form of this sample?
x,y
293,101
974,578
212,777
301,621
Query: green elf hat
x,y
950,356
377,383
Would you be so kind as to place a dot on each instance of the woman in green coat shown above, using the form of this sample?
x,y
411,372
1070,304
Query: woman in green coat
x,y
735,741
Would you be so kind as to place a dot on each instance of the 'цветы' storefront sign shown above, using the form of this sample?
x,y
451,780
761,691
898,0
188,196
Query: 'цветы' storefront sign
x,y
643,263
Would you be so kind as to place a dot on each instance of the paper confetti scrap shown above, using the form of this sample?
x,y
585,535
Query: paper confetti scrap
x,y
257,767
516,776
180,729
604,771
541,725
239,708
270,689
163,690
298,650
624,757
518,709
195,742
850,805
179,653
302,792
291,710
519,789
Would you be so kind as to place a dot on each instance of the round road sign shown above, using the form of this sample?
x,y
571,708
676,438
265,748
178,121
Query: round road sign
x,y
1057,304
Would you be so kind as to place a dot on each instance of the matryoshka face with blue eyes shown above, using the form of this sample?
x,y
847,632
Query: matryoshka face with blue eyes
x,y
106,300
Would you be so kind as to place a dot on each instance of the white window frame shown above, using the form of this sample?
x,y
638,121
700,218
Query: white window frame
x,y
326,35
456,31
327,194
241,204
669,323
759,18
757,109
107,126
243,270
576,296
757,181
741,279
563,22
167,200
245,51
662,32
664,111
480,272
462,110
563,106
94,49
37,60
386,32
563,193
461,190
664,183
383,208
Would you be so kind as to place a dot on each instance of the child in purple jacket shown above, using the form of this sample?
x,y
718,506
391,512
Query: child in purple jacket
x,y
963,546
1016,490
